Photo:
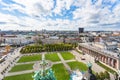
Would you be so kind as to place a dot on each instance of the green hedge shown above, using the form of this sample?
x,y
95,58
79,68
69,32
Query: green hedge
x,y
106,68
103,75
78,51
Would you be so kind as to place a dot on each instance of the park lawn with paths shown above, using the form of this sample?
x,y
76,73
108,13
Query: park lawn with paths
x,y
30,58
52,56
60,72
20,77
22,67
67,55
77,65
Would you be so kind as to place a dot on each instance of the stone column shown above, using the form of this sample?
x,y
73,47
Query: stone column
x,y
112,62
118,64
102,58
105,59
108,61
115,64
99,57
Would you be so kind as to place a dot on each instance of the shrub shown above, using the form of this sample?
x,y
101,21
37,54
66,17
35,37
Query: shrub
x,y
106,68
103,76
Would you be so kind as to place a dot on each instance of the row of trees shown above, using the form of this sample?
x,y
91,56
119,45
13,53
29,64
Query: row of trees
x,y
47,47
103,76
32,49
58,47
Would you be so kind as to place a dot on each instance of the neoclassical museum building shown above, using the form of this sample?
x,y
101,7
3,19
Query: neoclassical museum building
x,y
106,57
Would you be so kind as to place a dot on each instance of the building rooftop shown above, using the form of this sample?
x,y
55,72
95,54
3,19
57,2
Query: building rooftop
x,y
99,50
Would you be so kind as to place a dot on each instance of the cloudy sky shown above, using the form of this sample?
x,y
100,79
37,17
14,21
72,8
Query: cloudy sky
x,y
59,14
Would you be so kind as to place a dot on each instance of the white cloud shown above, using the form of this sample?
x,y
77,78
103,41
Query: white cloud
x,y
87,14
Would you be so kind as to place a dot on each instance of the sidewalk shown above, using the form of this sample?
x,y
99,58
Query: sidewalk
x,y
18,73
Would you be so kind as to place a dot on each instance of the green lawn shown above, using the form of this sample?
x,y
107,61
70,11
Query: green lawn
x,y
67,55
52,56
77,65
60,72
20,77
106,68
22,67
30,58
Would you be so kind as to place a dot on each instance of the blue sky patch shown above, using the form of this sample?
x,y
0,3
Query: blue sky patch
x,y
9,2
65,14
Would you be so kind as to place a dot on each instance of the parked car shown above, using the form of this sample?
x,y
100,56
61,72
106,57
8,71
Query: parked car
x,y
82,58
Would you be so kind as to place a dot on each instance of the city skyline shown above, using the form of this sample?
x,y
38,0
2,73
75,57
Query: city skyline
x,y
60,14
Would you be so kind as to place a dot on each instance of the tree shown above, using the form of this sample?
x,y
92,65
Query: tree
x,y
107,75
97,76
116,76
102,76
46,47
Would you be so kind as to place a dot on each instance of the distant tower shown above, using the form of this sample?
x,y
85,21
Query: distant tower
x,y
81,30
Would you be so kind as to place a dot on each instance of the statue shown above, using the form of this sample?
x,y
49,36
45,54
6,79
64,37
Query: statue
x,y
44,73
90,75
